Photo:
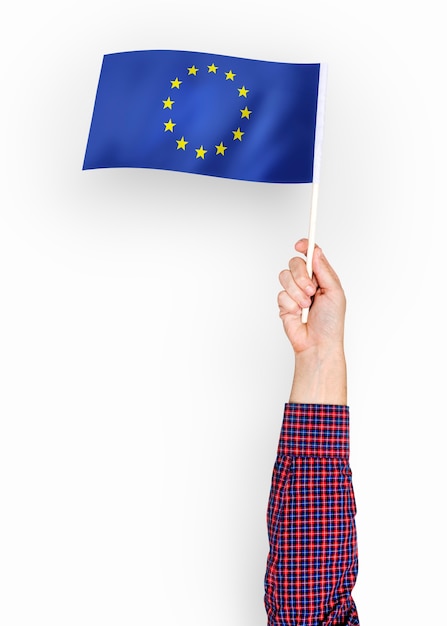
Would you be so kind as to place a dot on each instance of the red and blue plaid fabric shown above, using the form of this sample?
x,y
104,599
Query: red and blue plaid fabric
x,y
312,562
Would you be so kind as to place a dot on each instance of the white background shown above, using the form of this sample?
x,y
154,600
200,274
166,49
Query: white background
x,y
143,367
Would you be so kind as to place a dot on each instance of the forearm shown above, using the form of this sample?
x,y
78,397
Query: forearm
x,y
320,376
312,563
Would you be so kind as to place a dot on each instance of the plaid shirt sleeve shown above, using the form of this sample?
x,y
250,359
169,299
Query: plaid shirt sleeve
x,y
312,561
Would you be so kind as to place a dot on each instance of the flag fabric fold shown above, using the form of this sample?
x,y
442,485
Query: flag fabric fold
x,y
208,114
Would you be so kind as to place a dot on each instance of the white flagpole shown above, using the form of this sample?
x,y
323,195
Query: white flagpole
x,y
321,101
311,239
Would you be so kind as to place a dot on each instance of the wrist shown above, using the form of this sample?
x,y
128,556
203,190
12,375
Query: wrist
x,y
320,376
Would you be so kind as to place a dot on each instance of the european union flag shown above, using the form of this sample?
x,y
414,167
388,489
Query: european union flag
x,y
208,114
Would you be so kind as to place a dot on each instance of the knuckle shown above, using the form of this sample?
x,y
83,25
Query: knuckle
x,y
293,263
283,276
280,298
297,265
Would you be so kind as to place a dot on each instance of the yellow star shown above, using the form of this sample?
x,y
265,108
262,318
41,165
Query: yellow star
x,y
181,143
169,125
175,84
229,75
246,113
193,70
243,92
200,152
168,103
212,69
238,134
220,149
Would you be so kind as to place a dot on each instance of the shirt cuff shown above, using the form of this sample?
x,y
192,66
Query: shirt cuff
x,y
320,430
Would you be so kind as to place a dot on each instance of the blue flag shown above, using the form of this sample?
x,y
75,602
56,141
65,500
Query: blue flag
x,y
208,114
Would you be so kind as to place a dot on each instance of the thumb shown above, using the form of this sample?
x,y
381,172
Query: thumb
x,y
324,272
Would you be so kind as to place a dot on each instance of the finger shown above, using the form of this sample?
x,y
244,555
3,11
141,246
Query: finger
x,y
287,305
298,268
324,272
297,283
302,245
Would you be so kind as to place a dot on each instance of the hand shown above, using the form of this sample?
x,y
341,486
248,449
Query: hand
x,y
320,366
325,325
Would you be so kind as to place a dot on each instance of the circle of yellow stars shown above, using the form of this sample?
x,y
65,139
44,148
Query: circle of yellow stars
x,y
238,134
